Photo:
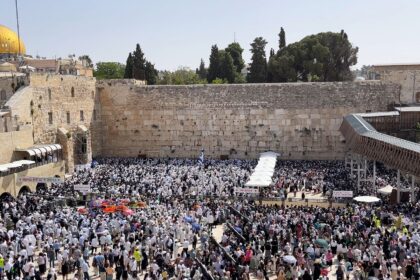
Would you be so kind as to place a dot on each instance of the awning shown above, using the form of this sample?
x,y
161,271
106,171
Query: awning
x,y
263,172
25,162
386,190
41,149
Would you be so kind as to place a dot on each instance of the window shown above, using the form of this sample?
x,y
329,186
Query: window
x,y
68,117
49,94
72,91
418,97
84,145
3,95
82,116
94,114
50,118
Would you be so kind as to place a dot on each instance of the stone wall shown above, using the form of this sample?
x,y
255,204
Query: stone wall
x,y
299,120
9,141
407,76
68,102
10,183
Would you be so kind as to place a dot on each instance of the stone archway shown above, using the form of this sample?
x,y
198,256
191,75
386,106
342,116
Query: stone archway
x,y
41,187
5,196
24,190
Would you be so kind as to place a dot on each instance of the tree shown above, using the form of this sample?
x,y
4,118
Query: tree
x,y
227,68
214,65
150,73
109,70
258,69
235,51
182,76
282,39
139,64
87,60
202,71
320,57
128,74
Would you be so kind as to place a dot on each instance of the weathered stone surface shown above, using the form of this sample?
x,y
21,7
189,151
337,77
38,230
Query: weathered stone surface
x,y
299,120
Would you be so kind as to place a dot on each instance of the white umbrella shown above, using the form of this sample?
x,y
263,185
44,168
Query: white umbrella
x,y
289,259
367,199
386,190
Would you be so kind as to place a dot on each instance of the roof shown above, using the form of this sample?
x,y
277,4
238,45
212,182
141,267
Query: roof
x,y
379,114
42,63
396,64
408,109
363,139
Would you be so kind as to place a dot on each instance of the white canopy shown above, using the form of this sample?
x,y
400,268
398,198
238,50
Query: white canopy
x,y
367,199
263,172
7,166
386,190
41,149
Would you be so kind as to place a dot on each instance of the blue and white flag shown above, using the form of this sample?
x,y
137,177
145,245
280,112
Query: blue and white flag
x,y
201,158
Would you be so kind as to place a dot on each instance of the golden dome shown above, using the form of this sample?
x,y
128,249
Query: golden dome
x,y
9,42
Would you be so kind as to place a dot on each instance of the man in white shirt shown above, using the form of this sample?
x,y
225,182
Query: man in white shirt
x,y
31,251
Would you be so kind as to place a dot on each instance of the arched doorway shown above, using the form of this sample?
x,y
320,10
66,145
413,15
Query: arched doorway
x,y
41,187
6,197
24,191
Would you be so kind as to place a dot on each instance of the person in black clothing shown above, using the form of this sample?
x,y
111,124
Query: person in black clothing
x,y
317,271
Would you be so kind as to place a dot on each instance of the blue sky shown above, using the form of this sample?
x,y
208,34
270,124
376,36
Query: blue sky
x,y
179,33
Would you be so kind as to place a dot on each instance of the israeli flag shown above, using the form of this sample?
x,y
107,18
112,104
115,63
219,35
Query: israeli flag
x,y
201,158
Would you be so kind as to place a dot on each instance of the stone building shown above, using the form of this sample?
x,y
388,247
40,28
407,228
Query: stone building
x,y
405,75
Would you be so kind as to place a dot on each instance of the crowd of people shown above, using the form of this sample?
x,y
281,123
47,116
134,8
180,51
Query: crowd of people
x,y
174,206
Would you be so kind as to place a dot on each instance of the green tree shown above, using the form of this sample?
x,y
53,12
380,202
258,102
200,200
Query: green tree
x,y
109,70
258,69
227,68
320,57
214,66
128,74
202,71
235,51
182,76
282,39
150,73
139,64
219,81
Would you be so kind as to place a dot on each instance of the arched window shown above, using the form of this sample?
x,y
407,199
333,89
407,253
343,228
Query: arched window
x,y
49,94
72,91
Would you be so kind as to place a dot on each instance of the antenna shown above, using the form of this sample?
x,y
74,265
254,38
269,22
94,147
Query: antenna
x,y
17,23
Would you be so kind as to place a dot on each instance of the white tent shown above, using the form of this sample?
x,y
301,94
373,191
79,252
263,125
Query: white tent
x,y
367,199
386,190
263,172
